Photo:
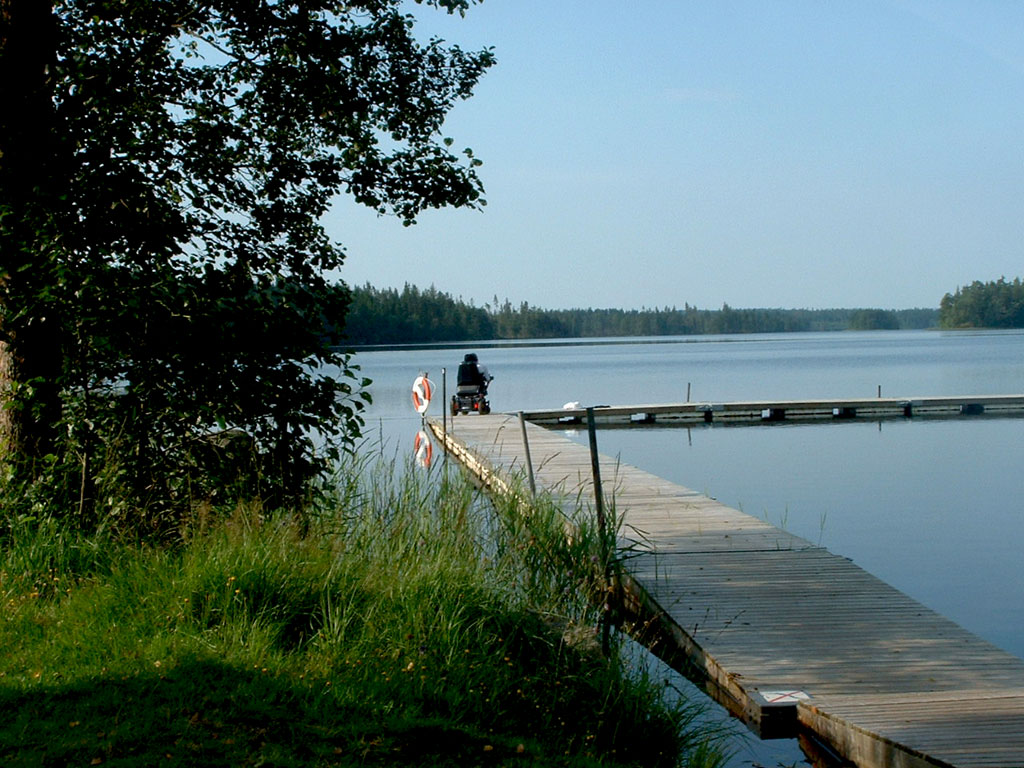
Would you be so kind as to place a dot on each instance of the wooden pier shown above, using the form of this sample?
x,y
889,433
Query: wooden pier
x,y
788,410
795,640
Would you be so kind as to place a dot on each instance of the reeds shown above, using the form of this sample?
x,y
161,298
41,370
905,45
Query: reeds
x,y
409,621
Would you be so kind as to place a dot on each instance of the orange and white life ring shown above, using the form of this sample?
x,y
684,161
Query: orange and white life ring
x,y
421,390
424,449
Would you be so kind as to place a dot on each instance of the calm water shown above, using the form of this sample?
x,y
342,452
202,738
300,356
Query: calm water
x,y
934,507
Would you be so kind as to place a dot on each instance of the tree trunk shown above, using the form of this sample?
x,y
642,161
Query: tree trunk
x,y
30,352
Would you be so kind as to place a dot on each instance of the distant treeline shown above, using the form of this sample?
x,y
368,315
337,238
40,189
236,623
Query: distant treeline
x,y
412,315
997,304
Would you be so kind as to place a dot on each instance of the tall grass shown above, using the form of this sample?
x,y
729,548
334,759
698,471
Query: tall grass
x,y
409,622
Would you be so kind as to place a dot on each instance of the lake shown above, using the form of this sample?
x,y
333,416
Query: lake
x,y
933,507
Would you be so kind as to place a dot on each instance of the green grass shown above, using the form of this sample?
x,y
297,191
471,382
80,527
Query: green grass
x,y
409,623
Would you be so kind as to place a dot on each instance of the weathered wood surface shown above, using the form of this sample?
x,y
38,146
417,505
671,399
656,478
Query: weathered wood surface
x,y
757,610
790,410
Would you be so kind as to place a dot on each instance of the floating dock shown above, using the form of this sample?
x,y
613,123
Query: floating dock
x,y
797,641
787,410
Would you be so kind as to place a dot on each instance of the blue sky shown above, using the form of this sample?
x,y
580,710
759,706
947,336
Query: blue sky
x,y
795,153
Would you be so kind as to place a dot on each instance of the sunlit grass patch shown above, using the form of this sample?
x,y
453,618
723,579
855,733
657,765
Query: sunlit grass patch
x,y
409,622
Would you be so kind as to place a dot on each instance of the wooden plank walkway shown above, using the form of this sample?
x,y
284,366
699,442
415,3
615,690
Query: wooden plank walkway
x,y
755,411
758,612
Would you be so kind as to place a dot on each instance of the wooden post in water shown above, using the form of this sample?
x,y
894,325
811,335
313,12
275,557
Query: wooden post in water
x,y
444,408
595,466
526,451
602,530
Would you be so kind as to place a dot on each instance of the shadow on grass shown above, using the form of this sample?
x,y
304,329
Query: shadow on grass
x,y
203,713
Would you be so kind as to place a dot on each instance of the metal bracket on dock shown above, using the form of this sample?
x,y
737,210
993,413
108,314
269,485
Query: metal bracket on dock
x,y
642,417
773,713
708,409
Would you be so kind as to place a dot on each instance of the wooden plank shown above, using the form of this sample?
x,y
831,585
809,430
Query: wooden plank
x,y
755,610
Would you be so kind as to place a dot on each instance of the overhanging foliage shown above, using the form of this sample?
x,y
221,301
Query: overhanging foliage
x,y
164,169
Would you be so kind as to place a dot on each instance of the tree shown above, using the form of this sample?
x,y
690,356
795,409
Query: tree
x,y
164,166
874,320
997,304
27,194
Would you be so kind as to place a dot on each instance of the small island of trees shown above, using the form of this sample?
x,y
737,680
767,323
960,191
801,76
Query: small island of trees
x,y
996,304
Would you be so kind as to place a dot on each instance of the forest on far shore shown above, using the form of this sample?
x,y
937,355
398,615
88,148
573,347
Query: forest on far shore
x,y
414,315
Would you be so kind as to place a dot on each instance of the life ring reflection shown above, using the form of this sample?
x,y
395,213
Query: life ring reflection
x,y
424,449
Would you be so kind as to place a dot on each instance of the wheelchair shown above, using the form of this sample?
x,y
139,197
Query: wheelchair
x,y
471,392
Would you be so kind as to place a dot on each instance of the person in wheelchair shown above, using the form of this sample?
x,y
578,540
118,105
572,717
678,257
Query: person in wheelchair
x,y
471,387
473,378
